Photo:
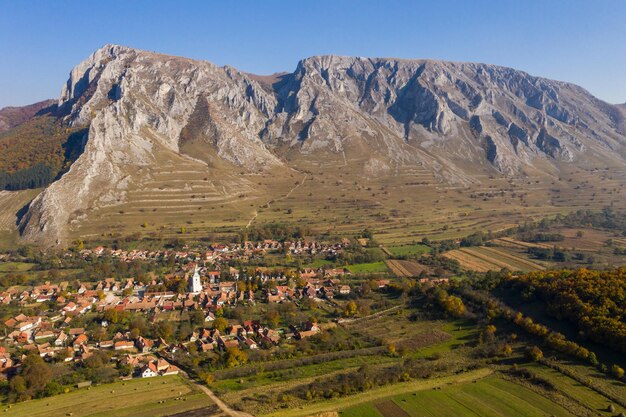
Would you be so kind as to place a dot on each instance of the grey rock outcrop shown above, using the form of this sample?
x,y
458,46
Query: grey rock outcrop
x,y
455,118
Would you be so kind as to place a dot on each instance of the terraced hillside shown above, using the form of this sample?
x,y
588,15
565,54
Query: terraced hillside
x,y
178,197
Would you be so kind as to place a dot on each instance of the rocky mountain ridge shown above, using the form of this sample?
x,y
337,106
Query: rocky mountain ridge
x,y
457,119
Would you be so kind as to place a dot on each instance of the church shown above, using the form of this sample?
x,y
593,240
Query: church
x,y
195,285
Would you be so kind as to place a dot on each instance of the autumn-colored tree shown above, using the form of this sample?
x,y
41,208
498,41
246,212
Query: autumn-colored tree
x,y
351,309
220,323
534,353
617,371
235,356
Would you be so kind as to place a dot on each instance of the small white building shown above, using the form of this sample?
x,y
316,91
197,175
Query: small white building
x,y
149,370
195,285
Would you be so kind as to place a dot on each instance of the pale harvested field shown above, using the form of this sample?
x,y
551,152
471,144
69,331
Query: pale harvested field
x,y
483,259
402,268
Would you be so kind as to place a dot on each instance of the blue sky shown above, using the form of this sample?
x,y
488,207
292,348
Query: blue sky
x,y
578,41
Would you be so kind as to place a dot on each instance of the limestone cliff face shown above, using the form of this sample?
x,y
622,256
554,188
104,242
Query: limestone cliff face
x,y
134,102
455,118
457,111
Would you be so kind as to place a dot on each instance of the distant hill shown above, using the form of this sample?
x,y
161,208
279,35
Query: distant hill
x,y
14,116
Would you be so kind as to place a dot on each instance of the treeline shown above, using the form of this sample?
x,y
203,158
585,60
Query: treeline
x,y
38,379
36,152
356,254
33,177
538,237
550,254
594,301
607,218
366,378
275,231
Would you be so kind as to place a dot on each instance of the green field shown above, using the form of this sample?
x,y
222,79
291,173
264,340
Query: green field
x,y
346,403
15,267
368,268
136,398
488,397
574,389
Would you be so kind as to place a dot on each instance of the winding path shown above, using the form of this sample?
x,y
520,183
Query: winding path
x,y
256,212
225,408
221,404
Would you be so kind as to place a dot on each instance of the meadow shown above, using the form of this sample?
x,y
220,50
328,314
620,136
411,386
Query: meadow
x,y
487,397
149,397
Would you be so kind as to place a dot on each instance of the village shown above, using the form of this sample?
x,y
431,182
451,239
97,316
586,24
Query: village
x,y
200,284
218,252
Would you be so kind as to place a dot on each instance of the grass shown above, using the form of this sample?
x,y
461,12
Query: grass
x,y
488,397
137,398
368,268
15,267
383,392
408,250
297,372
318,263
574,389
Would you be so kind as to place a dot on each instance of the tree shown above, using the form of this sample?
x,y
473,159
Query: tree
x,y
489,334
350,309
220,324
617,371
53,388
17,387
235,357
273,318
534,353
164,330
36,373
453,306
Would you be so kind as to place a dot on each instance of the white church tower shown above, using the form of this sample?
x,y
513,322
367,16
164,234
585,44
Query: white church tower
x,y
195,286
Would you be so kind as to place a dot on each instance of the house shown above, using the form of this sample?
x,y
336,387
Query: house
x,y
250,344
144,345
162,365
79,341
344,290
106,344
44,334
272,336
148,370
76,331
61,339
124,345
171,370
